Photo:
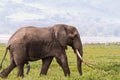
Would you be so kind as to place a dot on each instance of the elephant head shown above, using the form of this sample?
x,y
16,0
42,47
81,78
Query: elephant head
x,y
69,36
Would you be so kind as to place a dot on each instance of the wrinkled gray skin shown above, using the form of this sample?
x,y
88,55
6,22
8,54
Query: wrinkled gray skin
x,y
32,43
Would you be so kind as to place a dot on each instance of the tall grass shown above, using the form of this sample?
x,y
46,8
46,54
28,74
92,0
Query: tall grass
x,y
106,60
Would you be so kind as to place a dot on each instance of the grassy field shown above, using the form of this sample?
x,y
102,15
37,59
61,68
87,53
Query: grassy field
x,y
106,60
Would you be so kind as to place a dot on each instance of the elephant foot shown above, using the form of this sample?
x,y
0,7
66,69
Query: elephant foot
x,y
67,75
80,73
22,76
42,74
3,75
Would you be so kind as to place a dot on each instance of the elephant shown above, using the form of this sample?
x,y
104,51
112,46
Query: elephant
x,y
34,43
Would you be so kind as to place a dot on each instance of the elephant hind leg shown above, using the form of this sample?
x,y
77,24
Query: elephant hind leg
x,y
20,57
20,65
6,71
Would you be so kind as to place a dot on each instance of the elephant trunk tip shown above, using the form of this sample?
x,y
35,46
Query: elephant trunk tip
x,y
86,63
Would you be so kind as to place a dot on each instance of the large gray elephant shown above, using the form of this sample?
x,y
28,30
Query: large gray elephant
x,y
32,43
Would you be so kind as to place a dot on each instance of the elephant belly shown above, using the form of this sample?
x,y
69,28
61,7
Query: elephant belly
x,y
37,52
35,55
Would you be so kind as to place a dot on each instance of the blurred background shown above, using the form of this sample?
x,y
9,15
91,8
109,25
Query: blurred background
x,y
96,20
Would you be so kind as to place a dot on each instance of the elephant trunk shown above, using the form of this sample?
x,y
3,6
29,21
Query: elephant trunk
x,y
77,47
79,60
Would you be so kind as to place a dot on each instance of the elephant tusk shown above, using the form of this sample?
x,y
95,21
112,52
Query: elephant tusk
x,y
79,55
86,63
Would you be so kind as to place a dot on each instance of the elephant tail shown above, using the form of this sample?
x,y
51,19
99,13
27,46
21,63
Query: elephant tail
x,y
4,57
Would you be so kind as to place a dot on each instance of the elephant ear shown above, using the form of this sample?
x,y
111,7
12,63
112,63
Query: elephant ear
x,y
61,35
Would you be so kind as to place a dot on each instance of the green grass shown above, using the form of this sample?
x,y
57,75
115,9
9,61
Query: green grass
x,y
105,59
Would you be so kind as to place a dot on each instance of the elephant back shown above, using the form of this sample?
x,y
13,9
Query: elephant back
x,y
18,36
30,34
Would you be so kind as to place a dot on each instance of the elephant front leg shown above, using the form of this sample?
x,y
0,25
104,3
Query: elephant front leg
x,y
62,61
45,65
20,70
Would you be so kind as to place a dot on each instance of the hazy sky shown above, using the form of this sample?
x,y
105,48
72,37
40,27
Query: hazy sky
x,y
91,17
